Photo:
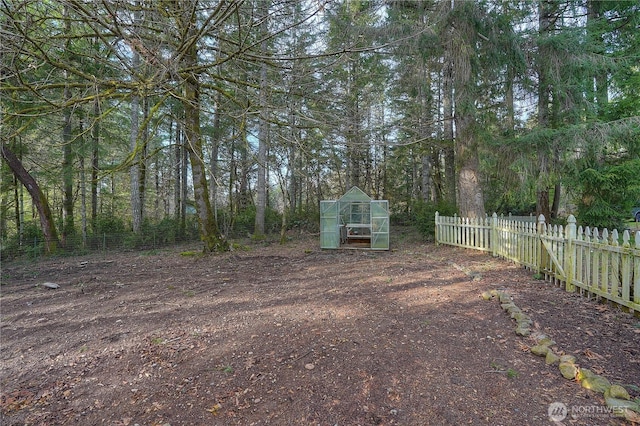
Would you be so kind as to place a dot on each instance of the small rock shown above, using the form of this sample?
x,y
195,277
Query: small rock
x,y
538,336
596,383
50,285
540,350
486,295
545,341
584,373
568,370
618,392
551,358
309,366
621,406
525,322
523,330
568,358
508,306
514,311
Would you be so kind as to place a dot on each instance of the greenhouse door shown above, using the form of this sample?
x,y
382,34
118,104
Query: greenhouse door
x,y
329,231
380,224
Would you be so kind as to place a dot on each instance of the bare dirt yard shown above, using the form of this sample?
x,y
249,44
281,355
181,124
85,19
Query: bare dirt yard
x,y
294,335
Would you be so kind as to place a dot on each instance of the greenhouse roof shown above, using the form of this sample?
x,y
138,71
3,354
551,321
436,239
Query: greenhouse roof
x,y
354,194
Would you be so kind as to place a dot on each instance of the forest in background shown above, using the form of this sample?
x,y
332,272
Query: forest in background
x,y
219,118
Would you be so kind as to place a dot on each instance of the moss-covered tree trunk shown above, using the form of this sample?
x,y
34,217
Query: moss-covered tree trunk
x,y
39,199
209,232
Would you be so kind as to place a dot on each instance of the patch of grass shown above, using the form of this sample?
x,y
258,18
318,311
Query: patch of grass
x,y
157,340
497,367
240,247
191,253
153,252
227,369
512,374
189,293
538,276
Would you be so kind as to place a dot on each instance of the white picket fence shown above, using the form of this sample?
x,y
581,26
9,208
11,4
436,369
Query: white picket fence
x,y
597,263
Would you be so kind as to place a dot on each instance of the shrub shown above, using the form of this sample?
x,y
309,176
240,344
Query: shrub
x,y
423,215
607,194
304,220
245,220
109,225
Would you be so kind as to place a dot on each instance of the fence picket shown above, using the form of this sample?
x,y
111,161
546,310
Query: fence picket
x,y
587,259
604,265
625,267
595,265
579,255
636,270
614,274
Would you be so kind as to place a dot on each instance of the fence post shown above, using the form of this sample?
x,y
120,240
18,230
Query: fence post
x,y
636,272
570,253
494,234
437,228
542,257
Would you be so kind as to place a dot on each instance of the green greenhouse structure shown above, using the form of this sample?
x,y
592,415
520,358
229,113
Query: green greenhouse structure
x,y
355,221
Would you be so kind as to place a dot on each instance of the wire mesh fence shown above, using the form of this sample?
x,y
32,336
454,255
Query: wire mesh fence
x,y
35,247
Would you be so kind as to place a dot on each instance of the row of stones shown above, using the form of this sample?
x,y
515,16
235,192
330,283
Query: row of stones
x,y
615,396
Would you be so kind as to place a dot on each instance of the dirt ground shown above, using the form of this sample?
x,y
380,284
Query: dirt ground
x,y
294,335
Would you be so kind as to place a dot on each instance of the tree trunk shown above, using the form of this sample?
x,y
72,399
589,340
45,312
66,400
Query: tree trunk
x,y
143,156
215,147
19,210
209,234
83,190
293,158
470,196
426,178
544,113
448,184
244,196
67,170
95,143
354,146
263,130
67,152
159,192
134,171
39,200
